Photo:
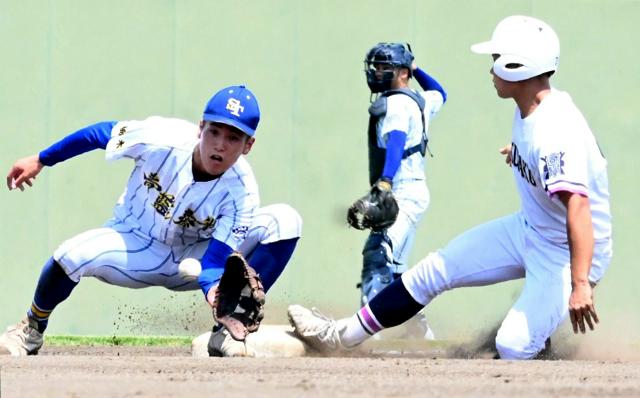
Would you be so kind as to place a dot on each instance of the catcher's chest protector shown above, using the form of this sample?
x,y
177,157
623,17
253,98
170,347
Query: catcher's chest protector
x,y
378,110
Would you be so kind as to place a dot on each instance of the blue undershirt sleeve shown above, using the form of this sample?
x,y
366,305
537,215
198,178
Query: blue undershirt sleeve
x,y
84,140
393,155
429,83
213,264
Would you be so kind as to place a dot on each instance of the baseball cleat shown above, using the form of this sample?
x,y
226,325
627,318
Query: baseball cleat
x,y
221,344
315,329
429,335
21,339
418,328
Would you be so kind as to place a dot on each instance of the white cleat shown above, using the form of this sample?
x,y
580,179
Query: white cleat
x,y
221,344
429,335
417,327
315,329
21,339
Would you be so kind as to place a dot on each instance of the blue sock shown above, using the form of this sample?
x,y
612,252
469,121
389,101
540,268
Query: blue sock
x,y
270,259
54,286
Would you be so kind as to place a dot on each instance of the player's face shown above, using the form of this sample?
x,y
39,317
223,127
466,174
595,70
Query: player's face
x,y
397,75
220,147
381,69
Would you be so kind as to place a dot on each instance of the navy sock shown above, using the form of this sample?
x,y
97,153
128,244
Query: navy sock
x,y
54,286
270,259
394,305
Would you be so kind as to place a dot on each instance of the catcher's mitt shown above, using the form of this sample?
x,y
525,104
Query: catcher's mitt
x,y
377,210
239,298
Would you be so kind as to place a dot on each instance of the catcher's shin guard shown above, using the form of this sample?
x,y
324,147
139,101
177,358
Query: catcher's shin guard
x,y
374,282
376,274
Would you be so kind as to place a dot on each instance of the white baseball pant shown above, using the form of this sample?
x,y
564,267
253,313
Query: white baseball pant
x,y
413,201
120,255
501,250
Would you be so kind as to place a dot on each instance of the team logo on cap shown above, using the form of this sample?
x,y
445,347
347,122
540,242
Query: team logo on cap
x,y
235,107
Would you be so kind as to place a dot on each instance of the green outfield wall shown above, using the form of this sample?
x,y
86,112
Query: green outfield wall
x,y
66,64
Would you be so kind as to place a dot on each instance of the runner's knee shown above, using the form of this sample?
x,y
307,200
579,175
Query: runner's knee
x,y
427,279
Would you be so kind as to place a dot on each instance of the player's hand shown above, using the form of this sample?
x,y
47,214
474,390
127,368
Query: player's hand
x,y
24,171
506,150
414,66
581,308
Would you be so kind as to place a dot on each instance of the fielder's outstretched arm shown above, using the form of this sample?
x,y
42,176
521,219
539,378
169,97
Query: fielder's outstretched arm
x,y
84,140
23,171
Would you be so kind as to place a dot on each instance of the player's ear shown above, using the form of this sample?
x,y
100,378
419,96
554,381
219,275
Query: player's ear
x,y
201,127
403,73
247,145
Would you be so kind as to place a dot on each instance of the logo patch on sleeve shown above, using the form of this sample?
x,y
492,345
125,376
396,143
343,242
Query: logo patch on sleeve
x,y
240,231
553,165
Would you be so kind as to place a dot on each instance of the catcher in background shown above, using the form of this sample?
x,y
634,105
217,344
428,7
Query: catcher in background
x,y
397,138
559,241
191,194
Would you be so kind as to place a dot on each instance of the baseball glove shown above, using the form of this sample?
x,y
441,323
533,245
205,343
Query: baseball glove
x,y
377,210
239,298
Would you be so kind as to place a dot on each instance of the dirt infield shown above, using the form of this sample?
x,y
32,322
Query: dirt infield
x,y
165,372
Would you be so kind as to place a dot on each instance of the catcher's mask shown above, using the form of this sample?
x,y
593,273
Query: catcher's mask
x,y
385,59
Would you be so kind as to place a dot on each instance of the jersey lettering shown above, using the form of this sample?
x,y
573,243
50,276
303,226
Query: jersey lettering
x,y
152,181
163,203
208,223
187,219
521,165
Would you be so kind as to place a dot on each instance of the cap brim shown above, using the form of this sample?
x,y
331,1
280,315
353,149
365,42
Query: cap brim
x,y
230,122
487,47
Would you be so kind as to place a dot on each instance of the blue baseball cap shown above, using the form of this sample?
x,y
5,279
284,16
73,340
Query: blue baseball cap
x,y
235,106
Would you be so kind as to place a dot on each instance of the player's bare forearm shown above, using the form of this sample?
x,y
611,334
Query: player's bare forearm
x,y
580,237
24,171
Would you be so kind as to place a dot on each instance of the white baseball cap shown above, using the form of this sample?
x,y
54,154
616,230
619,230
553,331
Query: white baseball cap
x,y
526,46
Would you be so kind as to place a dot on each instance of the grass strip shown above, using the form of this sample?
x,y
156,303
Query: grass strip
x,y
147,341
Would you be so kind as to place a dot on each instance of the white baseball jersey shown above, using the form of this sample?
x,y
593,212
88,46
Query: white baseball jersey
x,y
162,199
163,216
403,114
554,150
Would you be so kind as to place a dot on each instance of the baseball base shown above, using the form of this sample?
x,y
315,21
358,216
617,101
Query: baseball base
x,y
270,341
